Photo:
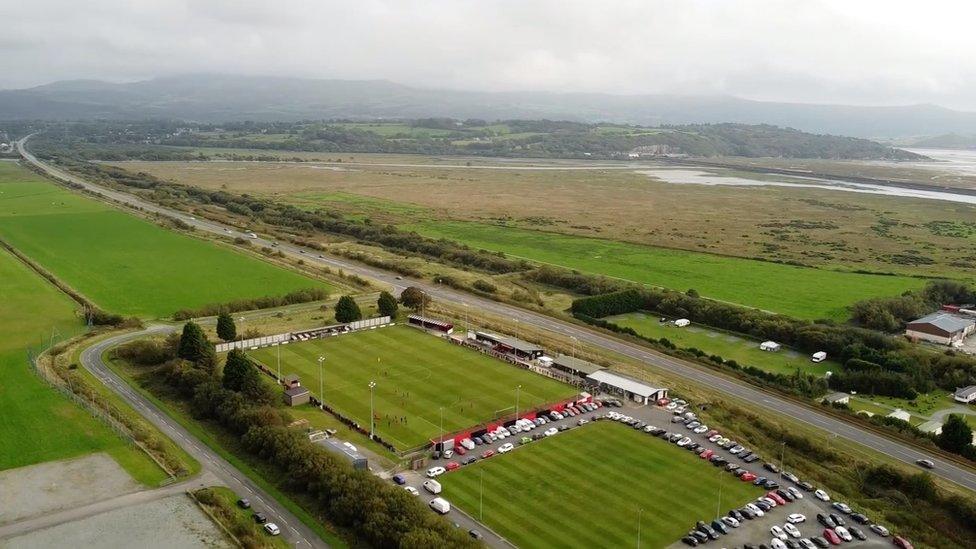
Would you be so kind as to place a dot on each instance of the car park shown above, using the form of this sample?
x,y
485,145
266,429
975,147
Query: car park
x,y
880,530
435,471
272,529
831,536
792,530
821,495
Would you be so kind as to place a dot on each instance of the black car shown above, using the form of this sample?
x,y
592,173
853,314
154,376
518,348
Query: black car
x,y
469,460
702,537
693,447
837,519
760,480
790,544
770,484
748,546
478,441
859,518
720,526
762,505
744,454
691,541
739,471
819,541
804,485
708,530
826,520
750,458
474,534
243,503
436,454
747,513
260,518
785,495
734,513
857,533
718,462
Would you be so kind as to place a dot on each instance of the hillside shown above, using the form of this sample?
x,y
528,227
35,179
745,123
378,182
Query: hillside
x,y
947,141
221,98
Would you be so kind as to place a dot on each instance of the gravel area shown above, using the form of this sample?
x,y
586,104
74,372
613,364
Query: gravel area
x,y
52,486
174,522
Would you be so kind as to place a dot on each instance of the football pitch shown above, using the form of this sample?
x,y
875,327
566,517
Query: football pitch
x,y
587,486
417,375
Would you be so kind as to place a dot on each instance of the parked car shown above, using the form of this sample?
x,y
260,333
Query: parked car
x,y
825,520
736,449
777,543
805,485
448,454
707,454
245,503
796,518
272,529
880,530
714,437
792,530
468,460
860,518
260,518
795,492
487,454
411,490
843,534
551,431
831,536
701,429
730,521
702,537
821,495
452,465
708,530
475,534
778,532
461,450
790,476
690,541
747,513
720,526
838,520
506,448
684,441
771,467
857,533
748,477
807,544
770,484
788,497
755,509
776,497
525,440
842,507
763,505
737,515
821,542
750,458
435,471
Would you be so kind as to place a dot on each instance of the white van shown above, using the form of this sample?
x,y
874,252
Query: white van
x,y
440,505
432,486
819,356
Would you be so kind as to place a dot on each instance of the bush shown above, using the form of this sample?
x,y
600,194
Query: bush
x,y
484,286
292,298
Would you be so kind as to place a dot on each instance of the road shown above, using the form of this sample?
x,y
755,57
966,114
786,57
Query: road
x,y
716,382
292,529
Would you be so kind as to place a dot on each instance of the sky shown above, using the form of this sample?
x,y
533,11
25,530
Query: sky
x,y
862,52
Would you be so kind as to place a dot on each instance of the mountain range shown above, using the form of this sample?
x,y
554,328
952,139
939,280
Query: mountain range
x,y
223,98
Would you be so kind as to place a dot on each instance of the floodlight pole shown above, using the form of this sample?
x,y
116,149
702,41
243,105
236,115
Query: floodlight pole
x,y
518,393
782,455
321,394
640,511
481,497
241,335
372,422
278,348
441,439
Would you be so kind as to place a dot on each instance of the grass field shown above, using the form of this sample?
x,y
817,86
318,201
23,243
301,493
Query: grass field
x,y
585,487
741,349
123,263
37,423
416,375
797,291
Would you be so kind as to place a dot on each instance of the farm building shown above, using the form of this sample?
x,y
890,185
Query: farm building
x,y
430,324
632,389
511,345
346,450
574,368
295,396
966,395
837,398
941,327
900,414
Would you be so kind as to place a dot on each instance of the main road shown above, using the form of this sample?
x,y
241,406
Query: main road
x,y
726,385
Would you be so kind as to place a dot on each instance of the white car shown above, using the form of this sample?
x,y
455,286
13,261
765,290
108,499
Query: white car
x,y
671,406
769,501
505,448
649,428
613,415
843,533
755,509
778,532
731,521
777,543
701,429
582,422
684,442
411,490
821,495
796,518
791,530
435,471
714,438
843,507
273,529
448,454
551,431
797,494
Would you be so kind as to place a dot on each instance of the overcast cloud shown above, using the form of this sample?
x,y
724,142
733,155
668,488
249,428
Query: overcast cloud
x,y
854,51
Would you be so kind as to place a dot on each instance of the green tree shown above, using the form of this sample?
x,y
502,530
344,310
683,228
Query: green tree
x,y
387,304
226,329
956,434
254,387
236,370
347,310
193,343
414,298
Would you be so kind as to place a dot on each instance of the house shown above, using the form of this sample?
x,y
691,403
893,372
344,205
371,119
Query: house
x,y
771,346
941,327
837,398
292,381
966,395
574,368
932,426
510,345
632,389
295,396
900,414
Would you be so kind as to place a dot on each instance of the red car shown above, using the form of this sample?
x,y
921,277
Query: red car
x,y
831,536
487,454
901,542
460,450
707,454
777,498
711,433
452,465
663,402
748,477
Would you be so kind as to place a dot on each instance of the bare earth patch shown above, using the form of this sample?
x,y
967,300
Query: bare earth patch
x,y
46,487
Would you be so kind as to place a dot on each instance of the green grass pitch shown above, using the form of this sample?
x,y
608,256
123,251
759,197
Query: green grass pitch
x,y
797,291
125,264
416,374
585,487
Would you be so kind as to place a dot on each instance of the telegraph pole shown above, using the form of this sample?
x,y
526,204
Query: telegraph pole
x,y
372,421
321,394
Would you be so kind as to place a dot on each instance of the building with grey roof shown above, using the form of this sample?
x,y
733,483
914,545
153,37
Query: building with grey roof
x,y
941,327
966,395
630,388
